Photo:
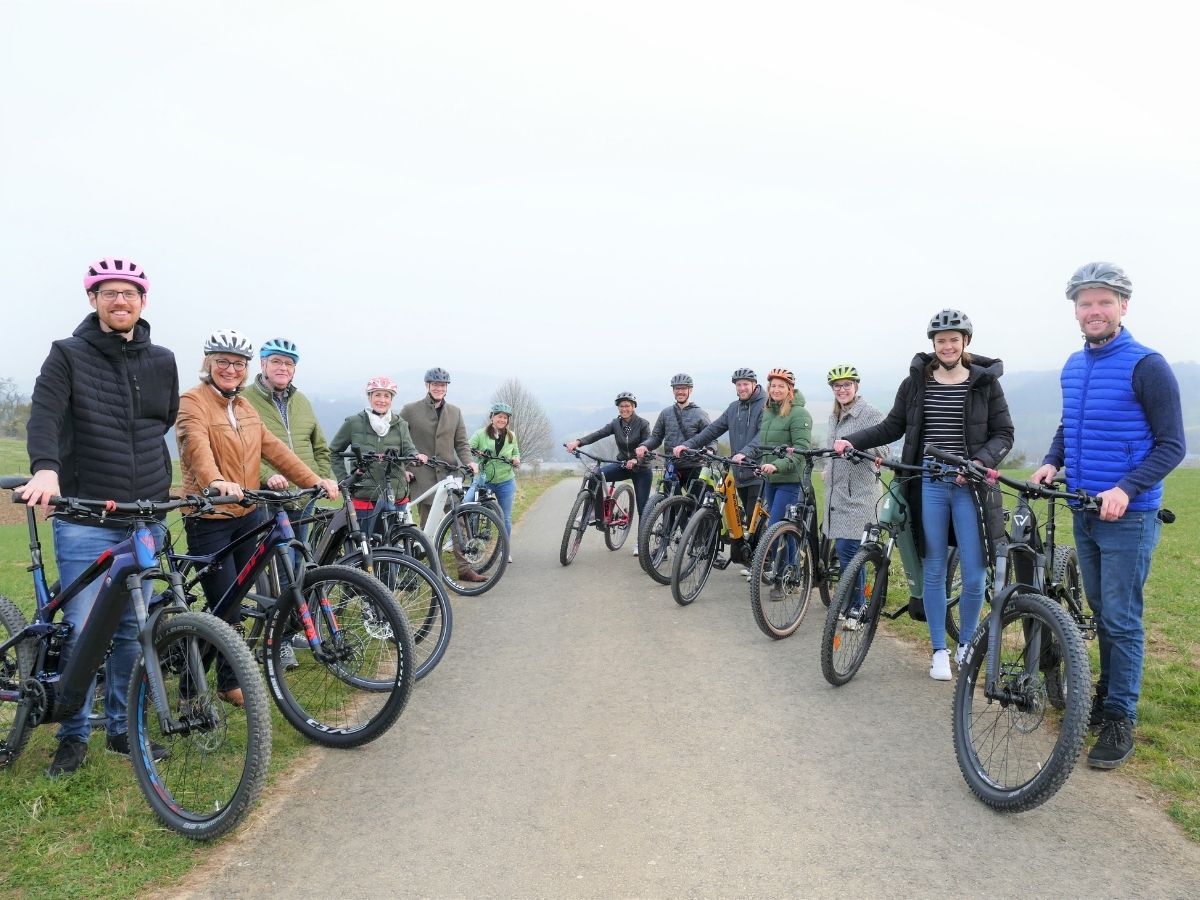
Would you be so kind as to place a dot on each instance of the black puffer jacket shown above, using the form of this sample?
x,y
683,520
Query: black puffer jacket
x,y
988,429
100,411
627,435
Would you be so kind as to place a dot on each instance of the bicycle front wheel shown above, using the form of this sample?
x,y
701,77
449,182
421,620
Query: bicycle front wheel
x,y
577,523
853,616
215,765
781,579
620,519
694,561
16,664
420,594
1016,750
411,541
355,677
472,539
1066,588
660,534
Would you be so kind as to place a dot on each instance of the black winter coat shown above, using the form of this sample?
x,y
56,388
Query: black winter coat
x,y
639,430
988,430
100,412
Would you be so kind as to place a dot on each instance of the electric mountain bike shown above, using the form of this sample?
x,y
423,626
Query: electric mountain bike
x,y
663,520
609,506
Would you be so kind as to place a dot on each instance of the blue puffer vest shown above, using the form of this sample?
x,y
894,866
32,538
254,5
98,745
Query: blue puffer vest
x,y
1105,432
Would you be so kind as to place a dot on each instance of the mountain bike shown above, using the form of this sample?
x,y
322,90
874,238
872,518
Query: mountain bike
x,y
663,520
717,522
858,603
1014,747
354,679
791,559
613,514
217,754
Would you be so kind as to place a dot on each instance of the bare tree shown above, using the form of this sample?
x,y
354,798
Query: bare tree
x,y
14,409
529,420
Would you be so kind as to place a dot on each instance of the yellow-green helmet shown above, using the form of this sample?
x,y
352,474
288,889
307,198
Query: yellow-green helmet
x,y
842,373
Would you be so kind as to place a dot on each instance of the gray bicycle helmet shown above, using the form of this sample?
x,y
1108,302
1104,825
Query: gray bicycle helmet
x,y
950,320
1100,274
280,347
744,375
682,380
437,373
625,395
229,341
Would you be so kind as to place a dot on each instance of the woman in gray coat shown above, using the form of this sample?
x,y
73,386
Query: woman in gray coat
x,y
852,491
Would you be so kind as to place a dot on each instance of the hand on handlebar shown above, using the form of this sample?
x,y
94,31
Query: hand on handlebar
x,y
738,457
571,446
678,450
277,482
40,489
329,486
639,451
1044,475
630,463
768,469
422,459
227,489
1113,504
841,445
515,462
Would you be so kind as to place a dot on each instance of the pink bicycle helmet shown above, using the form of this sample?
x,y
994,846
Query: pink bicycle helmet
x,y
110,269
383,383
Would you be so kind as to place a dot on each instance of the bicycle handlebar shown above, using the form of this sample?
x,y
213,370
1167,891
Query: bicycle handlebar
x,y
976,472
890,462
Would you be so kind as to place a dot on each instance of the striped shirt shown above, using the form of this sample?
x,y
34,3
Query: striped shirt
x,y
945,413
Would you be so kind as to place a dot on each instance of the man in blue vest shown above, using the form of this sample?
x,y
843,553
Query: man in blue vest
x,y
1121,434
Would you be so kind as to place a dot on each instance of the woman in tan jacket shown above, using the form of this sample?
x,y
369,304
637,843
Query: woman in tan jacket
x,y
222,442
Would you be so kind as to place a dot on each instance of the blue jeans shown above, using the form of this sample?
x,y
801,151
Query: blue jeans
x,y
846,548
75,548
1114,561
505,491
941,503
777,498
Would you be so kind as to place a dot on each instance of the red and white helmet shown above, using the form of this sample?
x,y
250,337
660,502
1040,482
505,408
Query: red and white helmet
x,y
110,269
382,383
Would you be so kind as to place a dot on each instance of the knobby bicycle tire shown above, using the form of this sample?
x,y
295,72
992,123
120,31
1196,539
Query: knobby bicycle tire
x,y
617,530
213,771
1066,588
16,665
577,524
697,549
422,597
1016,755
847,636
410,540
484,549
660,533
779,590
354,686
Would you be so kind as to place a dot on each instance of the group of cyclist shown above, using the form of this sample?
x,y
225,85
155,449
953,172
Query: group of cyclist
x,y
106,397
1120,435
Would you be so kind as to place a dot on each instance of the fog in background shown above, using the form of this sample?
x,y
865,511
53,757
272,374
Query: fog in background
x,y
591,197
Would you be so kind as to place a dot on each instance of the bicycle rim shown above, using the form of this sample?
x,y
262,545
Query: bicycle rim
x,y
577,523
215,767
354,685
1016,754
483,549
621,519
781,580
694,561
851,620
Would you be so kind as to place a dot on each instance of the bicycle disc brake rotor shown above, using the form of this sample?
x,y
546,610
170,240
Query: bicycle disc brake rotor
x,y
1027,713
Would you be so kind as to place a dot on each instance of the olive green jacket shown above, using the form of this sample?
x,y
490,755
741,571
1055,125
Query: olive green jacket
x,y
794,430
357,430
301,433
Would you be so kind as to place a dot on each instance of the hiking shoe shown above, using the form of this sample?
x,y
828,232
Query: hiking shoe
x,y
287,656
1115,744
119,743
939,668
68,757
1096,716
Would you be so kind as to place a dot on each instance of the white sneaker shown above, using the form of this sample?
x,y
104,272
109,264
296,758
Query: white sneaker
x,y
960,655
635,553
939,669
745,573
510,559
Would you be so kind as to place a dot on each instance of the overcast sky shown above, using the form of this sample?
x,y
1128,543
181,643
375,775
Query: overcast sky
x,y
588,196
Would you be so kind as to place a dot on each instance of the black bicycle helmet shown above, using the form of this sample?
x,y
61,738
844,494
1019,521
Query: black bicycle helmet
x,y
682,380
625,395
744,375
950,320
437,373
1100,274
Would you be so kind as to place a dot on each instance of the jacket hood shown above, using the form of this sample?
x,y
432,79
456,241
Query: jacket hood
x,y
108,342
981,366
755,395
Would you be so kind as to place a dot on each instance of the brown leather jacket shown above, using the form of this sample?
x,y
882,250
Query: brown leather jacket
x,y
211,449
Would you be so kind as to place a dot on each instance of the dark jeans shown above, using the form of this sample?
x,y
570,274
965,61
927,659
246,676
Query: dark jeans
x,y
641,485
209,536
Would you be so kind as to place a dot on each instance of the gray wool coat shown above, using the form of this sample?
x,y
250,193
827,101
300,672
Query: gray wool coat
x,y
851,490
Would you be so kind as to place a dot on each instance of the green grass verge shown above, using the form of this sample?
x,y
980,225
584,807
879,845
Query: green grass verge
x,y
93,834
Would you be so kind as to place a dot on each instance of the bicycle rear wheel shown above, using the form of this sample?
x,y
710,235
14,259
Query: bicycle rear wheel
x,y
954,596
621,517
420,594
216,764
352,686
660,534
483,548
779,586
577,523
16,665
694,561
1016,751
831,567
851,621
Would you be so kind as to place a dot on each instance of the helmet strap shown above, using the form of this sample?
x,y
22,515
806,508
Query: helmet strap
x,y
1101,341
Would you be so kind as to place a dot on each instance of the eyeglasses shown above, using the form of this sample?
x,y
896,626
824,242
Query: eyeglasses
x,y
238,365
281,361
843,385
110,295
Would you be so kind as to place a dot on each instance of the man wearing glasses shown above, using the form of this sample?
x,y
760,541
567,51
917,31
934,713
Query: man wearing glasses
x,y
101,408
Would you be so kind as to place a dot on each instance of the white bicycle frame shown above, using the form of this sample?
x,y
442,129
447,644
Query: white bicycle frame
x,y
440,493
